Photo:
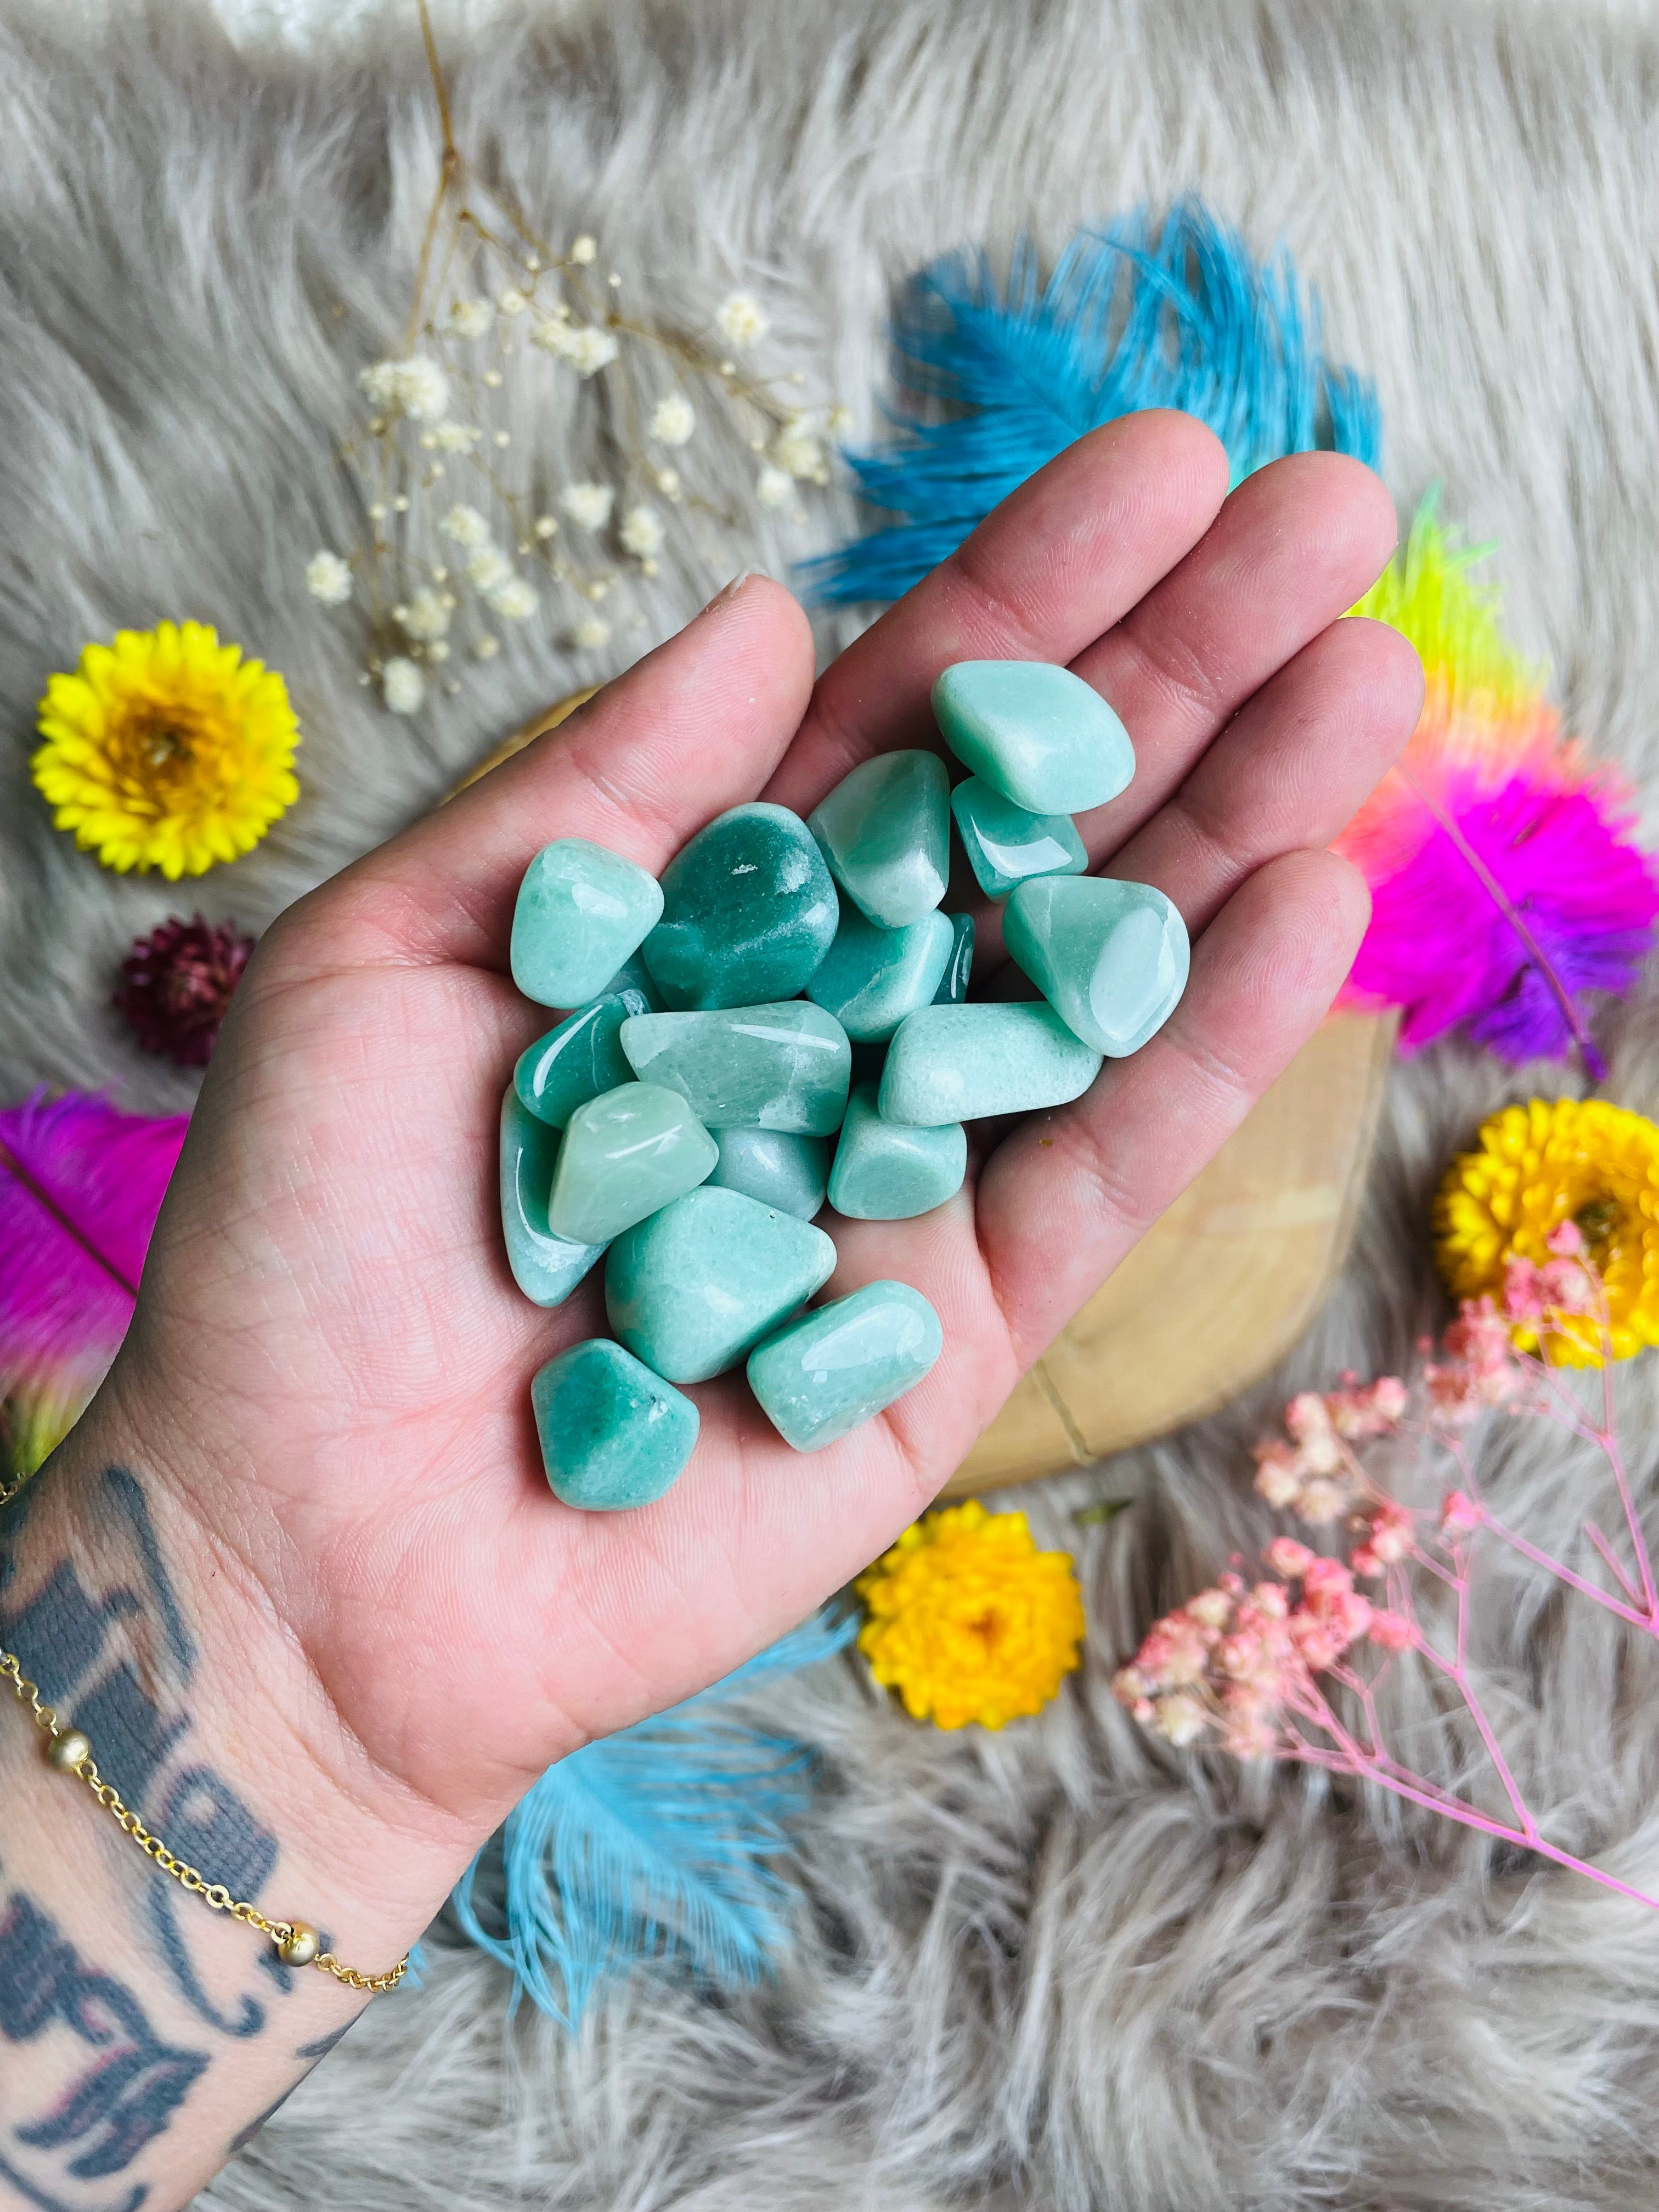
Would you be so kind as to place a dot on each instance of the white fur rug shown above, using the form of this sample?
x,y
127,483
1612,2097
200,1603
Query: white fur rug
x,y
1056,1967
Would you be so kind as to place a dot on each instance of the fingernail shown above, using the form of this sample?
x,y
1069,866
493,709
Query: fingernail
x,y
729,592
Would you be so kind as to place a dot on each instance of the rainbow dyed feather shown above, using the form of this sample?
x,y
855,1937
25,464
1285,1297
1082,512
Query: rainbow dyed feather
x,y
80,1188
996,379
1505,882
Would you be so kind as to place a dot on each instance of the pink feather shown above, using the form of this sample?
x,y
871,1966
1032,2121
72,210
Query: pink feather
x,y
80,1184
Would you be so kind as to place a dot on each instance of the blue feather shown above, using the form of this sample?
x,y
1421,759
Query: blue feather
x,y
660,1841
995,382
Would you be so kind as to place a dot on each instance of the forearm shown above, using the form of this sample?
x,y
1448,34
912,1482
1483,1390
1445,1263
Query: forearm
x,y
143,2036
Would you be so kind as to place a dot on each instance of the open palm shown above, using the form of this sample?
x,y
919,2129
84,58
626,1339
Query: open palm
x,y
329,1356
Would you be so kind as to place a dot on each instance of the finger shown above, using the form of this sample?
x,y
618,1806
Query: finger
x,y
693,729
1294,547
1060,561
1288,774
1063,1197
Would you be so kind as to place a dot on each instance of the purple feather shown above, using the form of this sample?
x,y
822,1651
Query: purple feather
x,y
80,1188
1446,949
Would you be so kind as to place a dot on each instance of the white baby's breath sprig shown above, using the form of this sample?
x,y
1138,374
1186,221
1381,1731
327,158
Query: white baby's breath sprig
x,y
403,686
328,578
587,505
642,533
463,529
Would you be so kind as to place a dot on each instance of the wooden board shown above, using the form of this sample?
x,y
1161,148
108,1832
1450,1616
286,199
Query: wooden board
x,y
1221,1287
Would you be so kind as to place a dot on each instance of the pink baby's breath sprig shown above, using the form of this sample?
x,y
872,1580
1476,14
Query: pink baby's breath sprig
x,y
1293,1666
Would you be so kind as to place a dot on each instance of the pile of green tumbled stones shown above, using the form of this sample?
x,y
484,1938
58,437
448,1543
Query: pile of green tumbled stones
x,y
678,1123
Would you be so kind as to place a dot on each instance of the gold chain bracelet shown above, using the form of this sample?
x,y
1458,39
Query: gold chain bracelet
x,y
70,1752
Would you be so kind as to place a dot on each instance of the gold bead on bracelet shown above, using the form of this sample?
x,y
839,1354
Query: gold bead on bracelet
x,y
301,1947
69,1751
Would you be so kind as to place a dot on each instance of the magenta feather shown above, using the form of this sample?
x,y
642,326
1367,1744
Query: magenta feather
x,y
80,1184
1522,900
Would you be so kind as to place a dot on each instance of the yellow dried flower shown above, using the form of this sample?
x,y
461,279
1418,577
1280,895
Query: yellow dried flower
x,y
1535,1167
968,1621
166,749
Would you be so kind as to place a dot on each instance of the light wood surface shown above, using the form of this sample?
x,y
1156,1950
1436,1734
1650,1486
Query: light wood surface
x,y
1219,1290
1224,1285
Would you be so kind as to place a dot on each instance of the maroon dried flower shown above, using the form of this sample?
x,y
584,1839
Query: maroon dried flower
x,y
176,984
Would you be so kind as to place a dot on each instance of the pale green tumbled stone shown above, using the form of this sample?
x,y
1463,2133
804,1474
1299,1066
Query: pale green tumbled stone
x,y
635,976
963,1063
885,831
872,978
624,1155
694,1287
1036,734
1006,845
545,1268
783,1067
579,1060
844,1363
749,912
613,1435
791,1173
581,911
1111,958
959,968
891,1171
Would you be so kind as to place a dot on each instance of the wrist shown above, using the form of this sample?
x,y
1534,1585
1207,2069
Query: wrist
x,y
147,1630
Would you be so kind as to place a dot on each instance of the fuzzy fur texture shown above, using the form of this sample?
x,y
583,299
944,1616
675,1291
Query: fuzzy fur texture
x,y
1056,1967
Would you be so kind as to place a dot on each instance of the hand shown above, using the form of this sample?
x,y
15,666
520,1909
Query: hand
x,y
328,1377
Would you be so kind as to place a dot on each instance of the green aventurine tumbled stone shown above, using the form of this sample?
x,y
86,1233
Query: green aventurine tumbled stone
x,y
791,1173
623,1156
1036,734
962,1063
872,978
889,1171
844,1363
692,1289
612,1433
576,1061
581,911
545,1268
749,912
959,968
1111,958
635,976
782,1066
885,831
1005,844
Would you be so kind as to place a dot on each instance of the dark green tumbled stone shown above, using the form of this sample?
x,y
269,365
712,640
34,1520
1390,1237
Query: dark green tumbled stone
x,y
577,1060
613,1435
545,1268
748,911
959,968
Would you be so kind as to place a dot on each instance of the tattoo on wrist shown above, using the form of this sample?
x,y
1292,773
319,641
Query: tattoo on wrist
x,y
111,1645
119,2100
